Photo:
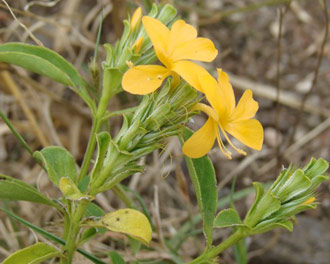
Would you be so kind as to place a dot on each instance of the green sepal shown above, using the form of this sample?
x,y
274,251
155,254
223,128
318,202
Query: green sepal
x,y
227,218
266,206
125,56
316,167
125,34
109,51
103,141
154,11
58,163
167,14
296,184
259,190
265,227
156,119
34,254
17,190
119,176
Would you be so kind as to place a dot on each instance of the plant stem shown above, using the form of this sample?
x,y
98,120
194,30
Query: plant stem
x,y
95,129
213,252
70,245
90,149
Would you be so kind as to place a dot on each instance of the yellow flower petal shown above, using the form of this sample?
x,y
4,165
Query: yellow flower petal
x,y
181,32
249,132
246,107
136,18
200,49
228,92
207,110
130,222
190,72
202,140
159,35
214,95
144,79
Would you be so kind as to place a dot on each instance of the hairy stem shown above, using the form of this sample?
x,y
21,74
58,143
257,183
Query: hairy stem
x,y
71,244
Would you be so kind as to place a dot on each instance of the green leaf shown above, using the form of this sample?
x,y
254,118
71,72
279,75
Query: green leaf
x,y
46,62
127,221
14,189
58,162
202,175
94,210
41,60
50,236
116,258
33,254
227,218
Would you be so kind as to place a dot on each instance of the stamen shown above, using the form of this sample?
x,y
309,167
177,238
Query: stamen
x,y
240,151
223,147
129,64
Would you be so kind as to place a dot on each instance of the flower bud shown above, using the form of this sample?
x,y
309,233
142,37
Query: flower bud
x,y
136,18
291,193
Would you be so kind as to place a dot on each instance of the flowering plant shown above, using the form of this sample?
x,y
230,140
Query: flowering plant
x,y
172,95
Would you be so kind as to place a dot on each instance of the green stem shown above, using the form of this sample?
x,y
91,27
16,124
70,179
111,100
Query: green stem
x,y
213,252
71,244
95,129
90,149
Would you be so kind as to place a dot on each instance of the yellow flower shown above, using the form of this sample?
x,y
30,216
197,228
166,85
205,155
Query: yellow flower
x,y
225,117
173,48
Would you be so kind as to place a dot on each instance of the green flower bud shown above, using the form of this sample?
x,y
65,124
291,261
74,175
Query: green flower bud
x,y
158,116
292,193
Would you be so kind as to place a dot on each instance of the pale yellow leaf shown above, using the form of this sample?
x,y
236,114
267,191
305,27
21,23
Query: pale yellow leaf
x,y
130,222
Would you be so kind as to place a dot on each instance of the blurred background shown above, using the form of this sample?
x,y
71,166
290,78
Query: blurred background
x,y
279,49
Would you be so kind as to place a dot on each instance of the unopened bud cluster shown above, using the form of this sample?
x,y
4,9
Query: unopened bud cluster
x,y
292,192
